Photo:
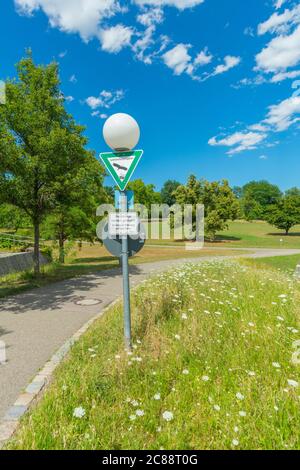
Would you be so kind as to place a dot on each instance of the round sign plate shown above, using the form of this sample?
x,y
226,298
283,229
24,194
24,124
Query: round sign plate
x,y
114,245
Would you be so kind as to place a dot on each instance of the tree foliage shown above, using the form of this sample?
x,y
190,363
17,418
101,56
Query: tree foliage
x,y
39,142
220,203
257,197
168,192
285,214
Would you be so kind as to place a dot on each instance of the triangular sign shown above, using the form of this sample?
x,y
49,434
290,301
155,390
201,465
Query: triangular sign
x,y
121,165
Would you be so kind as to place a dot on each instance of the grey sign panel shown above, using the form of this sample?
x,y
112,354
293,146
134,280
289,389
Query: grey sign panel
x,y
114,245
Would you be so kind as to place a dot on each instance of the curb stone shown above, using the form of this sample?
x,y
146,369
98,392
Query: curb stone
x,y
10,422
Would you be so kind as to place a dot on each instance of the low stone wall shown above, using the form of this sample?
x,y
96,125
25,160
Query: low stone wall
x,y
17,262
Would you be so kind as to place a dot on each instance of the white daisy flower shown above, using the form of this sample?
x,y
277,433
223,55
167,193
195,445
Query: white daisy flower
x,y
156,396
239,396
293,383
167,415
79,412
276,365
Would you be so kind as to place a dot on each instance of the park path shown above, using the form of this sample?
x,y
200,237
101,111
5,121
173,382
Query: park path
x,y
35,324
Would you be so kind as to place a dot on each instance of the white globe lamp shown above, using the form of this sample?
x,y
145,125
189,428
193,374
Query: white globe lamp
x,y
121,132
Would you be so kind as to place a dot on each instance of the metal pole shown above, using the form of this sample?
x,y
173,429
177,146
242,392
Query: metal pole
x,y
126,287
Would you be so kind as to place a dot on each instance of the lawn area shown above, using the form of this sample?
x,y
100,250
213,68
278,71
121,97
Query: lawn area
x,y
211,368
91,259
259,234
243,234
284,263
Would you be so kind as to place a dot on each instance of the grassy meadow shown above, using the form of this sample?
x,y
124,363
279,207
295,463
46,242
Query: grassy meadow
x,y
243,234
94,258
213,366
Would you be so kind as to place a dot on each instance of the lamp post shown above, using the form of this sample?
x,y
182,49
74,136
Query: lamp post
x,y
121,132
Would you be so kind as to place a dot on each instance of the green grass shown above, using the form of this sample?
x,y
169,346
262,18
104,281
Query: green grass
x,y
259,234
243,234
283,263
221,321
89,260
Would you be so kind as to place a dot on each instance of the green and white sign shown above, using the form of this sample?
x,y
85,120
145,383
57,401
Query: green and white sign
x,y
121,165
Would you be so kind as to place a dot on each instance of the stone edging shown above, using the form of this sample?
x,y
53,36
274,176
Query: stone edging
x,y
11,420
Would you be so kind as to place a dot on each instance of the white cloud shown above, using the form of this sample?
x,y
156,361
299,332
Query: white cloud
x,y
281,53
281,76
283,115
278,3
69,99
73,79
280,23
178,59
142,45
180,4
151,16
63,54
258,128
203,58
115,38
279,118
229,63
249,31
239,141
105,99
72,16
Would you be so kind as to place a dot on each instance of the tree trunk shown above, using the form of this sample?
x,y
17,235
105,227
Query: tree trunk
x,y
61,249
36,253
287,231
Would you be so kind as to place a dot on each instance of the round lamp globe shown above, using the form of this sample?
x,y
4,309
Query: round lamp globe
x,y
121,132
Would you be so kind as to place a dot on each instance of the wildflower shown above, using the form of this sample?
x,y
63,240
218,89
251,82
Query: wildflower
x,y
276,365
184,316
134,403
185,372
217,407
79,412
251,373
236,429
167,415
157,396
293,383
235,442
139,412
242,413
239,396
132,417
117,356
205,378
177,337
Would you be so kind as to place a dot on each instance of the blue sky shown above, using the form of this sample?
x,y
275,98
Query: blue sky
x,y
212,83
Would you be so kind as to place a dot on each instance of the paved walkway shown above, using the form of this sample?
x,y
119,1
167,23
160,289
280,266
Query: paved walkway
x,y
35,324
